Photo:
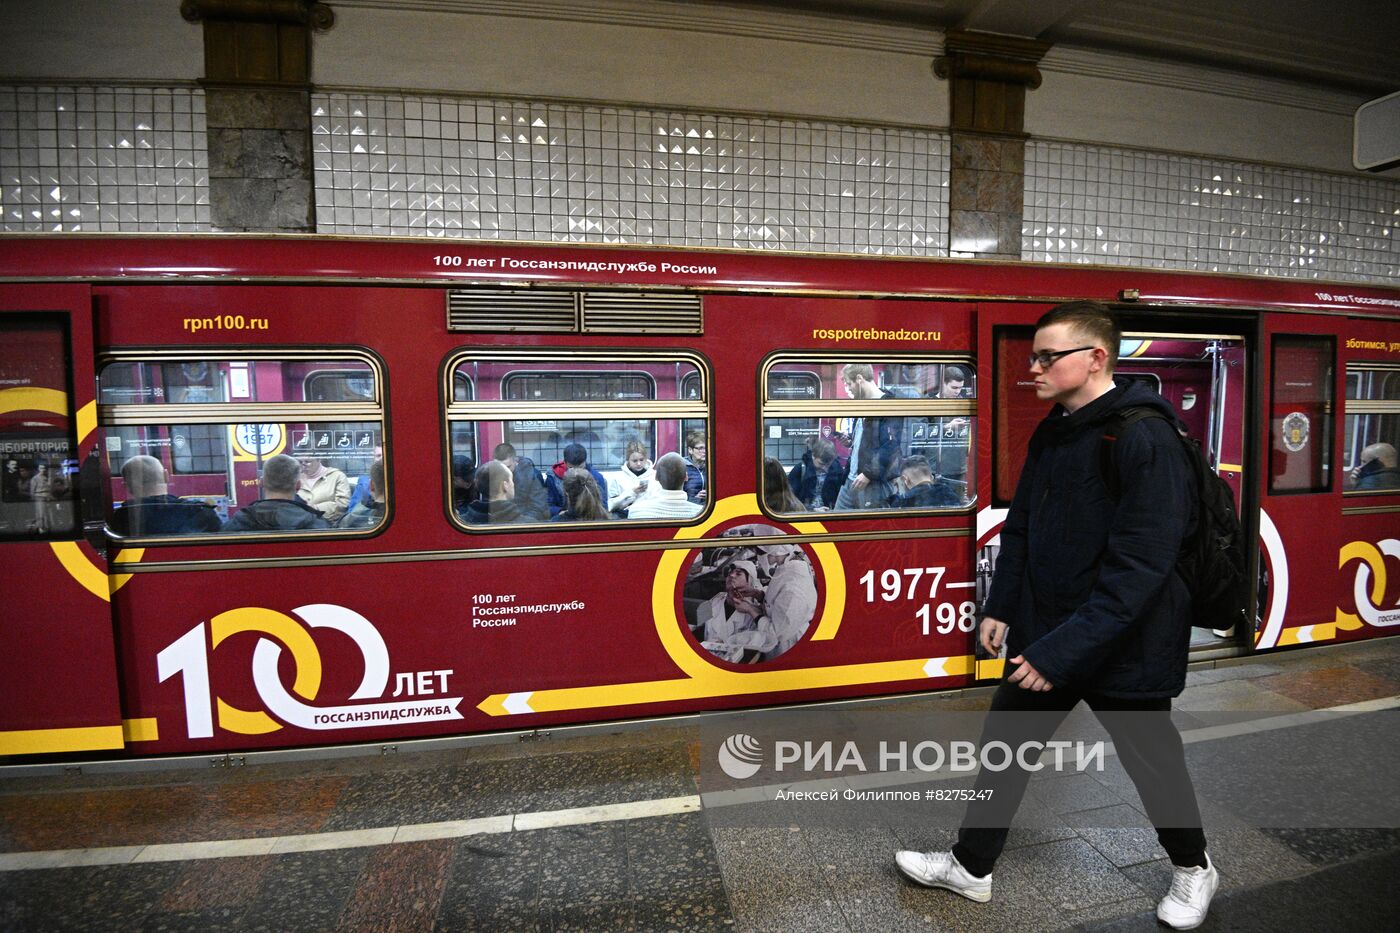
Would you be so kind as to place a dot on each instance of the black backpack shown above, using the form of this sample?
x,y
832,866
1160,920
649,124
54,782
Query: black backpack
x,y
1213,563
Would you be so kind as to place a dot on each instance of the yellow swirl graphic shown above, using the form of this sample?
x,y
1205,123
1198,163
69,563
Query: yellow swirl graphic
x,y
286,630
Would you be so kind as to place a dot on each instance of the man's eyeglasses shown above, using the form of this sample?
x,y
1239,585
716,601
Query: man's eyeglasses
x,y
1046,358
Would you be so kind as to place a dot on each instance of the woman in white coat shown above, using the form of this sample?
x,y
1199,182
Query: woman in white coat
x,y
633,479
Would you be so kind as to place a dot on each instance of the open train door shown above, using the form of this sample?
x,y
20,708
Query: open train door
x,y
1201,364
58,670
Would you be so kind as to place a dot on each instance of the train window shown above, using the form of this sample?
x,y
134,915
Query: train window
x,y
242,444
578,387
689,382
340,386
611,414
1372,424
861,434
1300,414
39,479
792,436
463,440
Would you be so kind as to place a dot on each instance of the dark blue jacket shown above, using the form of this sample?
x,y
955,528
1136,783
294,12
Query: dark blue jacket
x,y
532,494
803,480
694,481
934,495
164,515
1088,585
1373,475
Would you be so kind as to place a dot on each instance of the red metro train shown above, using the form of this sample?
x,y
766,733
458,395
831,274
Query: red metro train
x,y
146,382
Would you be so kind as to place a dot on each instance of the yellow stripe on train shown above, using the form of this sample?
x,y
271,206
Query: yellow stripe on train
x,y
1306,634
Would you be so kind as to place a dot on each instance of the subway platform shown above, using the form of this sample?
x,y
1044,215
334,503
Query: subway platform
x,y
607,828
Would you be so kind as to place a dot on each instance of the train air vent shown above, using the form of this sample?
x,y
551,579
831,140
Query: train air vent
x,y
500,310
642,313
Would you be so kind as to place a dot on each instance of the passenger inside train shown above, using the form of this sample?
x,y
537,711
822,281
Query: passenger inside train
x,y
583,499
280,508
151,510
777,494
631,480
1377,469
669,501
846,459
495,504
369,512
819,477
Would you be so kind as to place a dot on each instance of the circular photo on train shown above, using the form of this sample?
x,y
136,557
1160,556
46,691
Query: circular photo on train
x,y
750,603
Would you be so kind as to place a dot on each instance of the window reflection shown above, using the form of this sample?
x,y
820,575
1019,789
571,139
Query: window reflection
x,y
869,435
1372,436
594,440
272,467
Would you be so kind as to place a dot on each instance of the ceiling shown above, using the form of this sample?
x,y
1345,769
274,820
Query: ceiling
x,y
1351,45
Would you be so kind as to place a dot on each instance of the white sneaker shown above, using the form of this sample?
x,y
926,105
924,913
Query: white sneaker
x,y
942,870
1185,906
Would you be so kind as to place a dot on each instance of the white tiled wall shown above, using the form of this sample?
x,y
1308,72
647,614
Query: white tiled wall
x,y
1095,204
393,164
109,158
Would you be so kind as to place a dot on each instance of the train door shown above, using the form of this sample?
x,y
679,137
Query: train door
x,y
1299,489
58,673
1200,365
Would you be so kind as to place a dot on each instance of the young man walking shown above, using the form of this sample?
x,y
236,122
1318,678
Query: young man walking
x,y
1086,596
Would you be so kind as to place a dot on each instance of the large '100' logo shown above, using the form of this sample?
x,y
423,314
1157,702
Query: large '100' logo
x,y
1370,584
188,656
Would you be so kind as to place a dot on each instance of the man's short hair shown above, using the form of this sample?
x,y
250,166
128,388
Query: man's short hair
x,y
575,455
850,371
280,474
376,476
1089,320
917,463
694,438
491,478
503,452
670,471
1382,451
823,450
954,374
142,473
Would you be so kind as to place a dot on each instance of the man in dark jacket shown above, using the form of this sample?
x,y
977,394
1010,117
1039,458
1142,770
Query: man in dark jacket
x,y
496,486
279,509
371,511
531,491
151,510
1086,595
1377,469
874,443
818,479
921,490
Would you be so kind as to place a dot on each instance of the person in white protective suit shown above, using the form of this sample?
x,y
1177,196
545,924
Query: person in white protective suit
x,y
791,597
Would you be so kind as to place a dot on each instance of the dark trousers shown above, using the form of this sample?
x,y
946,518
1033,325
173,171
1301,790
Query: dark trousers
x,y
1146,741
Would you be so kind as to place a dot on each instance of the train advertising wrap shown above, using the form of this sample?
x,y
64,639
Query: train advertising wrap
x,y
363,491
741,615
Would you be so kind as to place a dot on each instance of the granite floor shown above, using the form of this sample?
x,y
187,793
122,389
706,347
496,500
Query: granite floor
x,y
607,830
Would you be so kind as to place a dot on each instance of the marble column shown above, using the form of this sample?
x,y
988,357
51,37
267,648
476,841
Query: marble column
x,y
987,80
257,69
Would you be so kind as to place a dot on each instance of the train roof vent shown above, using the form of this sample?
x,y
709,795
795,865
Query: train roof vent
x,y
507,310
642,313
